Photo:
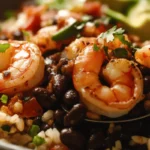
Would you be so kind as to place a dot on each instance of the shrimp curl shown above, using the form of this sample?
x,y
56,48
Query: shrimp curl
x,y
21,67
125,81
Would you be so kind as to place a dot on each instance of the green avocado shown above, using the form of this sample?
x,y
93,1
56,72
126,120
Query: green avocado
x,y
137,19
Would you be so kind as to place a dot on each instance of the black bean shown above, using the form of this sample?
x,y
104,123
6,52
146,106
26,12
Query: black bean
x,y
125,139
108,143
59,116
3,37
59,85
72,139
137,111
144,70
110,140
45,126
147,84
52,59
45,99
75,116
131,127
62,61
96,141
71,98
18,35
147,96
139,147
37,121
147,105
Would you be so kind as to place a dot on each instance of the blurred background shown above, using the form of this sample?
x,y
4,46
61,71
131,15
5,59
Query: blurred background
x,y
10,5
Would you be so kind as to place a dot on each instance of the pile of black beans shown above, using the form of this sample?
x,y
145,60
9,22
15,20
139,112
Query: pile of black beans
x,y
57,93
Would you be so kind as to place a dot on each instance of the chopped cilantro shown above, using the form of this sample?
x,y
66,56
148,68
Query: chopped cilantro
x,y
34,130
37,140
4,99
109,35
121,37
6,128
120,53
96,48
4,47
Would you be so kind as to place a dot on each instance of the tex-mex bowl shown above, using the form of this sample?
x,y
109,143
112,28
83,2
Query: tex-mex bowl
x,y
74,75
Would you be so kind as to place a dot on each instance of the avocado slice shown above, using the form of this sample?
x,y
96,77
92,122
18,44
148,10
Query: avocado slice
x,y
137,20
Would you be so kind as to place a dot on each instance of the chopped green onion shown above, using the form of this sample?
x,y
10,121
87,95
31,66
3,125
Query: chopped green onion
x,y
4,99
68,31
6,128
26,34
4,47
34,130
120,53
37,140
96,48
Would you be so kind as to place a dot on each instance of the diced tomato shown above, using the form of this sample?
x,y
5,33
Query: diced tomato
x,y
92,8
33,23
34,18
31,108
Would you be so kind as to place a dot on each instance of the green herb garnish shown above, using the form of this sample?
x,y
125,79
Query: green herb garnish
x,y
96,48
34,130
6,128
4,47
121,37
37,140
120,53
109,35
4,99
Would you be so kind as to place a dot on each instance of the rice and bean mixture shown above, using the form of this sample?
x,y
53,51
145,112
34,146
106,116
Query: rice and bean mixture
x,y
50,116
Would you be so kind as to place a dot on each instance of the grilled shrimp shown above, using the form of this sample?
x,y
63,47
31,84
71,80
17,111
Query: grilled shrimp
x,y
125,83
142,56
21,67
72,51
43,39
